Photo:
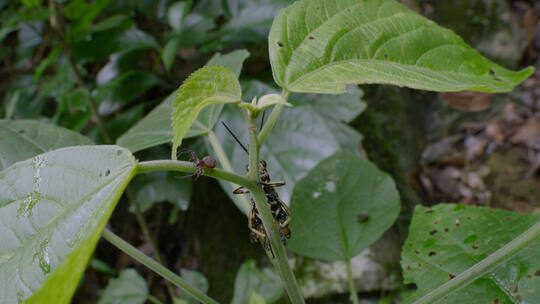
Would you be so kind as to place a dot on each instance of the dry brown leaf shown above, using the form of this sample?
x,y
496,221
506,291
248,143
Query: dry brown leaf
x,y
467,100
475,146
494,131
528,131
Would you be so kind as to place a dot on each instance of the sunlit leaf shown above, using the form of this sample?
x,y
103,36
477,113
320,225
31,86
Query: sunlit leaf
x,y
250,280
341,207
128,288
23,139
319,46
155,128
447,239
53,208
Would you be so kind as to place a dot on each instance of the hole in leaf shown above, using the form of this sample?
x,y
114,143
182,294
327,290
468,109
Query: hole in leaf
x,y
508,218
118,152
280,44
529,276
474,247
451,276
537,273
417,252
22,131
432,232
468,217
496,301
435,222
362,218
411,286
445,229
107,172
311,37
432,253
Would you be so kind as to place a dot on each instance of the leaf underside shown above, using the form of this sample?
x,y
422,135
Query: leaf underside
x,y
22,139
447,239
209,85
341,207
155,128
53,208
319,46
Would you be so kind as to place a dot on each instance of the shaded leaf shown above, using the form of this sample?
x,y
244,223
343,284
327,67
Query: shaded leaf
x,y
53,208
447,239
264,284
300,139
155,128
23,139
195,279
169,52
341,207
208,85
159,187
319,46
128,288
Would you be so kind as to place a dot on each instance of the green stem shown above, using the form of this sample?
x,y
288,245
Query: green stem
x,y
352,288
226,164
270,226
156,267
154,300
189,167
272,119
486,265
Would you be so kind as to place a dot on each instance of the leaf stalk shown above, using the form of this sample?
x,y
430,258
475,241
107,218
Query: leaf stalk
x,y
276,111
352,288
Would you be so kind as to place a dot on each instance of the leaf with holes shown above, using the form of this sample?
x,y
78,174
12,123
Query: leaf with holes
x,y
341,207
53,208
209,85
155,128
319,46
447,239
128,288
22,139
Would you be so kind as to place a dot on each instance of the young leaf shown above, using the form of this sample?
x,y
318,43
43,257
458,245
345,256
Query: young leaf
x,y
156,129
195,279
53,208
447,239
22,139
128,288
250,281
341,207
319,46
208,85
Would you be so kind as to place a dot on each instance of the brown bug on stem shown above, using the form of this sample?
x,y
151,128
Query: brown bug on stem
x,y
205,162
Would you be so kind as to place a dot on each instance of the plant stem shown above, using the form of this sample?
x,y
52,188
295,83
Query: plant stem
x,y
156,267
189,167
226,164
481,268
272,119
352,288
270,226
154,300
146,231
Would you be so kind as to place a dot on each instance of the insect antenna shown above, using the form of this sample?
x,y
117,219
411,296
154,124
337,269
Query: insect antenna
x,y
262,121
235,138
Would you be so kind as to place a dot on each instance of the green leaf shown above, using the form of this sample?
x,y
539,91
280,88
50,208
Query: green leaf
x,y
155,128
319,46
169,52
53,208
195,279
250,280
256,298
300,139
447,239
22,139
176,13
128,288
208,85
341,207
158,187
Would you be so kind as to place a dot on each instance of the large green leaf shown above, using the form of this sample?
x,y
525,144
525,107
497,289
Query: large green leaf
x,y
300,139
207,86
128,288
447,239
22,139
250,280
341,207
53,208
321,45
155,128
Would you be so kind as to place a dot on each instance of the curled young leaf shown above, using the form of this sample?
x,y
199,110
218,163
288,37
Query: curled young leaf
x,y
319,46
209,85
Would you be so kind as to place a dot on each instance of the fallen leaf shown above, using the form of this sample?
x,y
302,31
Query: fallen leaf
x,y
528,131
467,100
494,131
475,146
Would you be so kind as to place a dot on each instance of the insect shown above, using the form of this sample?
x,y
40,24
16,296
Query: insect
x,y
280,211
205,162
